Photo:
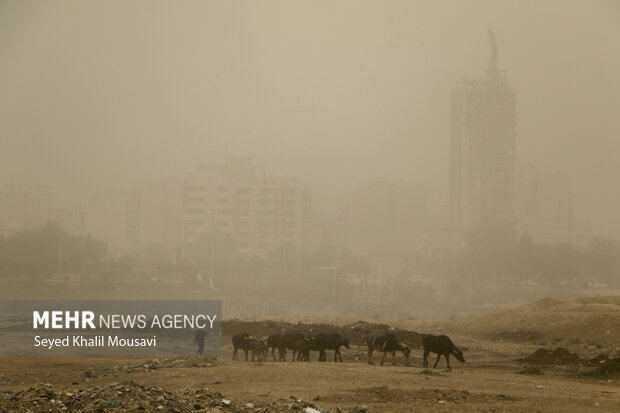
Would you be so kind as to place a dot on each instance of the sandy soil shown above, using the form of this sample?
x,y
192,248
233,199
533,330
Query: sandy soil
x,y
489,381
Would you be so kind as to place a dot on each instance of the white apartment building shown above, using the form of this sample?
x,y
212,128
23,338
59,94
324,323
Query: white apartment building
x,y
260,213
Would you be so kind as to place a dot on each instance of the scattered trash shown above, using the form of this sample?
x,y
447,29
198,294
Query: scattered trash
x,y
129,396
113,403
606,368
536,386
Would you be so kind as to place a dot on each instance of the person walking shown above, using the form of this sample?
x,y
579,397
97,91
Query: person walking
x,y
199,339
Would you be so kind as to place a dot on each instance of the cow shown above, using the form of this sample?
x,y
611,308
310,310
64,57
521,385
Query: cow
x,y
332,341
287,342
259,349
443,346
386,343
273,342
302,349
243,342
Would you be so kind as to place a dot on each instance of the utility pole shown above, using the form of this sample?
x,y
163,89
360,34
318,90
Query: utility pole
x,y
214,229
298,261
59,251
82,275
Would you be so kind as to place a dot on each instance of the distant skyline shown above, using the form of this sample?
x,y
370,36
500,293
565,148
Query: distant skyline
x,y
99,94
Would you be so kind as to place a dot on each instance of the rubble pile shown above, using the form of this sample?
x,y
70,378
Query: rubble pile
x,y
293,404
133,397
123,397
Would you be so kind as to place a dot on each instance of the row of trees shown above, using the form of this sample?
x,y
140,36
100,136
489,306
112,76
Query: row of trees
x,y
495,253
51,250
491,254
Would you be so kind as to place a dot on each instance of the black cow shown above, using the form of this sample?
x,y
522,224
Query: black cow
x,y
301,349
287,342
259,349
243,342
273,342
386,343
332,341
443,346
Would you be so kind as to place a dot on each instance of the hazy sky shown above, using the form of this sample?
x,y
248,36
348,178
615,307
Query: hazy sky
x,y
99,94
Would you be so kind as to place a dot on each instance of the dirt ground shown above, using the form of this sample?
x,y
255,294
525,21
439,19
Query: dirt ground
x,y
496,376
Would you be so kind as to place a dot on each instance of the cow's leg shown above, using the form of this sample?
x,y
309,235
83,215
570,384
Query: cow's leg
x,y
393,355
437,361
383,358
338,353
246,354
370,351
273,350
448,361
235,353
425,362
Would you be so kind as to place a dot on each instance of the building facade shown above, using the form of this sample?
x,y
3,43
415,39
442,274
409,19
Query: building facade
x,y
544,207
482,153
258,212
384,218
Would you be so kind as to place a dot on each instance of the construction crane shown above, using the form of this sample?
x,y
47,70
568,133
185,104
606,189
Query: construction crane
x,y
493,72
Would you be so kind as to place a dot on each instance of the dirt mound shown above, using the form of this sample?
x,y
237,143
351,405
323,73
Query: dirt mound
x,y
586,318
607,368
598,299
558,356
130,396
544,303
598,360
357,332
531,371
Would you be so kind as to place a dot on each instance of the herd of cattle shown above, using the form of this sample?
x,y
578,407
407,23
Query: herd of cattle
x,y
301,346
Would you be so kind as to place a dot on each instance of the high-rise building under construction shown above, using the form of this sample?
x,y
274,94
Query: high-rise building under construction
x,y
482,152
